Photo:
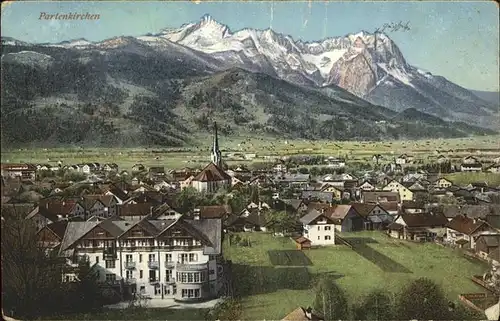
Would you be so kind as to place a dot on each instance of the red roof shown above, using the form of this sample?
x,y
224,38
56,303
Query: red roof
x,y
302,240
212,173
464,224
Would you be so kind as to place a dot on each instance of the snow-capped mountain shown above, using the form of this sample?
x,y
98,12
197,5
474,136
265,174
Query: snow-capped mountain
x,y
369,65
366,64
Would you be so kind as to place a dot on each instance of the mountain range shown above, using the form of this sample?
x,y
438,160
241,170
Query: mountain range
x,y
167,87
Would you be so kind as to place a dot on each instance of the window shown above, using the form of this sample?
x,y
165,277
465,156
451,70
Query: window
x,y
140,258
152,275
211,272
128,258
197,277
168,275
327,228
327,237
190,277
183,277
128,274
140,274
319,228
183,257
190,293
97,259
110,277
168,257
319,237
110,264
152,257
193,257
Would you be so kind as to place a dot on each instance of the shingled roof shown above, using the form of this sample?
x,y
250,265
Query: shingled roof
x,y
212,173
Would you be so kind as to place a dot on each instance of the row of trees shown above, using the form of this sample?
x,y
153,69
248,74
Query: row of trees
x,y
421,299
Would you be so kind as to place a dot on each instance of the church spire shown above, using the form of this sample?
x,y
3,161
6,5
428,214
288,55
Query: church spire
x,y
216,154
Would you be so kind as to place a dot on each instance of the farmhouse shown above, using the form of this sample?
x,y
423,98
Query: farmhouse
x,y
487,244
394,186
442,183
462,230
418,227
318,228
471,164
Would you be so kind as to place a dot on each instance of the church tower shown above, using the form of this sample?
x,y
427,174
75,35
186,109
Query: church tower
x,y
216,154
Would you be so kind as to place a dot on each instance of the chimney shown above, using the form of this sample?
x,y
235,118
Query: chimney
x,y
308,312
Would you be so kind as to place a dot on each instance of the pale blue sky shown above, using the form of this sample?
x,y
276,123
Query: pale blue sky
x,y
458,40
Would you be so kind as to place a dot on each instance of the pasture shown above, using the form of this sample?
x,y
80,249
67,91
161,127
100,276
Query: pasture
x,y
274,278
234,150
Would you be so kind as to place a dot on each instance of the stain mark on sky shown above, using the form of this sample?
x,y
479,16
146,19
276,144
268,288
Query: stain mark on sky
x,y
309,6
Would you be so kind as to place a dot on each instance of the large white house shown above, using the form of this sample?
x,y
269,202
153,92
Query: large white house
x,y
318,228
179,259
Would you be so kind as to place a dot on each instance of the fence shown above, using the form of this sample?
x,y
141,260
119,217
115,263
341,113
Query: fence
x,y
478,279
478,301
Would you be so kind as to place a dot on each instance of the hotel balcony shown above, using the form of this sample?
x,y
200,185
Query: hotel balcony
x,y
186,267
169,264
153,264
129,265
153,280
169,280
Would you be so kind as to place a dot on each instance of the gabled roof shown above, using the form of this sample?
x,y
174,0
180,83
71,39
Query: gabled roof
x,y
465,225
311,216
490,240
424,220
58,228
212,173
74,231
363,209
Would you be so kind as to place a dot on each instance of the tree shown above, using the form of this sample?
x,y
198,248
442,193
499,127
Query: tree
x,y
330,300
31,279
377,305
424,300
187,199
280,221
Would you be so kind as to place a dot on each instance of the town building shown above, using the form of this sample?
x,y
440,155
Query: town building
x,y
212,177
179,259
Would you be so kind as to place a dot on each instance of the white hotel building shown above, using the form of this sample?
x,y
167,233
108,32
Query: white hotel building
x,y
179,259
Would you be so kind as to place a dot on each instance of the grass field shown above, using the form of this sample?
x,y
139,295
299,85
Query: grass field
x,y
275,278
493,179
138,314
199,155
